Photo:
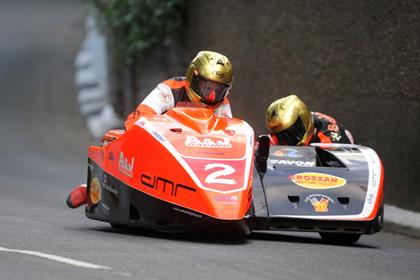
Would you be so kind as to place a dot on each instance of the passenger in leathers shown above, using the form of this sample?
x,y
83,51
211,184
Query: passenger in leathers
x,y
207,82
290,122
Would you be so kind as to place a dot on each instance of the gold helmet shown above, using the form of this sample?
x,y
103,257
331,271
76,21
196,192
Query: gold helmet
x,y
290,120
209,78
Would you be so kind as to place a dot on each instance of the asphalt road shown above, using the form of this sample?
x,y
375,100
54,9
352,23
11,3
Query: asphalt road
x,y
43,155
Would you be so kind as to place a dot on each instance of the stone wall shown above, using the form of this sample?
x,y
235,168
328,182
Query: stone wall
x,y
358,61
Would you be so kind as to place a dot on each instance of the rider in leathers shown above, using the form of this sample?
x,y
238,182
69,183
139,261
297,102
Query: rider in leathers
x,y
208,81
290,122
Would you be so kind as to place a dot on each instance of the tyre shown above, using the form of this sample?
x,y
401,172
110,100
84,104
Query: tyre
x,y
340,238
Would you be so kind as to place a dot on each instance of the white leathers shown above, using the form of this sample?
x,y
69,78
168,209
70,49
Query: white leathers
x,y
162,98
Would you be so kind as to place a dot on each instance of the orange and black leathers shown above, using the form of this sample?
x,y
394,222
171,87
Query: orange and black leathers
x,y
165,96
326,130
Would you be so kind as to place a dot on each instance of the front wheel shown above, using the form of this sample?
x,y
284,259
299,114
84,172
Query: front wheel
x,y
340,238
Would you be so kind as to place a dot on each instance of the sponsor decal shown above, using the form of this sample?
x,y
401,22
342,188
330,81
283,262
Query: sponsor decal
x,y
223,113
142,123
187,212
158,136
229,132
332,127
227,199
320,202
251,141
126,166
107,186
160,118
313,180
208,142
298,163
325,117
163,185
374,176
165,97
105,208
291,153
211,152
335,136
218,74
111,156
370,198
95,190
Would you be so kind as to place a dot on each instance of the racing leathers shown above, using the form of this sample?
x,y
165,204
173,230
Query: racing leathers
x,y
165,96
326,130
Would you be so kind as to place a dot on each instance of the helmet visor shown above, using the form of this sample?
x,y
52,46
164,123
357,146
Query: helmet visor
x,y
293,135
210,92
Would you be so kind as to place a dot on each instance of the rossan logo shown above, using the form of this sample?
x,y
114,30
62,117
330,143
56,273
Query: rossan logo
x,y
208,142
317,180
125,166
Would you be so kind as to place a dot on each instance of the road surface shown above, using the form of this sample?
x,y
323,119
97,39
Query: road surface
x,y
43,155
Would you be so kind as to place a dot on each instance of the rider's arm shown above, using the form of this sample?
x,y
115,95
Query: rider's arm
x,y
157,102
336,133
330,131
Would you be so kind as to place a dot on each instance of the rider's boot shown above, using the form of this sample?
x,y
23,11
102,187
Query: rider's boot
x,y
77,197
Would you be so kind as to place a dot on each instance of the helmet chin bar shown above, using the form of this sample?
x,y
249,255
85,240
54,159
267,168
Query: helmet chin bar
x,y
207,91
295,135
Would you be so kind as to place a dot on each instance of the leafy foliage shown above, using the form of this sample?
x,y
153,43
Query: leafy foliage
x,y
137,25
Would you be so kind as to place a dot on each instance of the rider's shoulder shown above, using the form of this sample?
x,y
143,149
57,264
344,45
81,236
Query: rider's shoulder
x,y
320,117
175,82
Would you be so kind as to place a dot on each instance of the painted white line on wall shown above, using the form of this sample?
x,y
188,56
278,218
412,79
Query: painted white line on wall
x,y
57,258
90,94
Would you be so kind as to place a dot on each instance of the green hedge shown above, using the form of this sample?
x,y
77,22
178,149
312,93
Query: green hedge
x,y
137,25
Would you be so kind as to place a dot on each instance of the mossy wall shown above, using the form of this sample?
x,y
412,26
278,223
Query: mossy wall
x,y
358,61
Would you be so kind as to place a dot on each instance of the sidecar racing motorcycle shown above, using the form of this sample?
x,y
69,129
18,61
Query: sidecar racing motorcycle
x,y
189,170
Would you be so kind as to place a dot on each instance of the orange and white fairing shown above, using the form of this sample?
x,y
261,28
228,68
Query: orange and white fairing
x,y
188,157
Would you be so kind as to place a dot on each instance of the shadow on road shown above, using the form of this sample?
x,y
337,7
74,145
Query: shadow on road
x,y
187,237
209,238
284,237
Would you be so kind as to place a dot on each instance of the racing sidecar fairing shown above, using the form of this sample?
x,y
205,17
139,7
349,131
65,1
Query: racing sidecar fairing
x,y
190,170
333,189
181,171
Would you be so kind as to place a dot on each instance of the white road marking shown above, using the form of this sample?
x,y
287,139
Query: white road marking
x,y
56,258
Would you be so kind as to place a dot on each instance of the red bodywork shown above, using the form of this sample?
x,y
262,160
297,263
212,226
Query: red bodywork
x,y
188,157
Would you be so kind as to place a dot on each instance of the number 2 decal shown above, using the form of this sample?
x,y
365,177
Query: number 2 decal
x,y
213,178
